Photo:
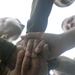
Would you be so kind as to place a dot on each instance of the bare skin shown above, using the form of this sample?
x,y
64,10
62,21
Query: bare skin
x,y
68,23
22,65
67,65
33,59
57,43
10,28
29,46
32,55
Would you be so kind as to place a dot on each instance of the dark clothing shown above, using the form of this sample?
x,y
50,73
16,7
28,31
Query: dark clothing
x,y
6,50
39,15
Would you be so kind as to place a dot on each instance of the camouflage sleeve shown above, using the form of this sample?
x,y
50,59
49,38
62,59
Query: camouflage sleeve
x,y
39,15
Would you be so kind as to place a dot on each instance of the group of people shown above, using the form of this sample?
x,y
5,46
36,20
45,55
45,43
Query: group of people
x,y
31,55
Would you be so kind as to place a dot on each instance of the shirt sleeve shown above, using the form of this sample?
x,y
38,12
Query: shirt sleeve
x,y
6,50
39,15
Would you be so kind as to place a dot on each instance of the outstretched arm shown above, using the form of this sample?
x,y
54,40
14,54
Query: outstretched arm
x,y
57,43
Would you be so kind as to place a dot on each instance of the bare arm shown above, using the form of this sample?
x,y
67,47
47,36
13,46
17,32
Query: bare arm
x,y
57,43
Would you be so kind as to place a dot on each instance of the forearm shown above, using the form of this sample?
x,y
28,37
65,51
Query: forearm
x,y
68,39
39,15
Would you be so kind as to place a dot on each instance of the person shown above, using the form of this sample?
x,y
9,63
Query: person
x,y
68,23
10,28
40,12
34,24
7,26
66,66
58,43
38,22
8,54
46,37
63,3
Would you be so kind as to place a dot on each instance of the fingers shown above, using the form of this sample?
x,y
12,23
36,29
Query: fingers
x,y
46,52
43,61
29,47
34,45
25,65
27,58
24,42
34,66
40,46
37,47
19,60
34,54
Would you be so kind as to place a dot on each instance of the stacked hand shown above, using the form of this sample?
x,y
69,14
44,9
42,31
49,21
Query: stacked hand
x,y
22,65
30,60
53,41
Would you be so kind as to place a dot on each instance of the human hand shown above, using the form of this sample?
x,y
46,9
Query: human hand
x,y
22,65
43,52
53,40
32,44
28,46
